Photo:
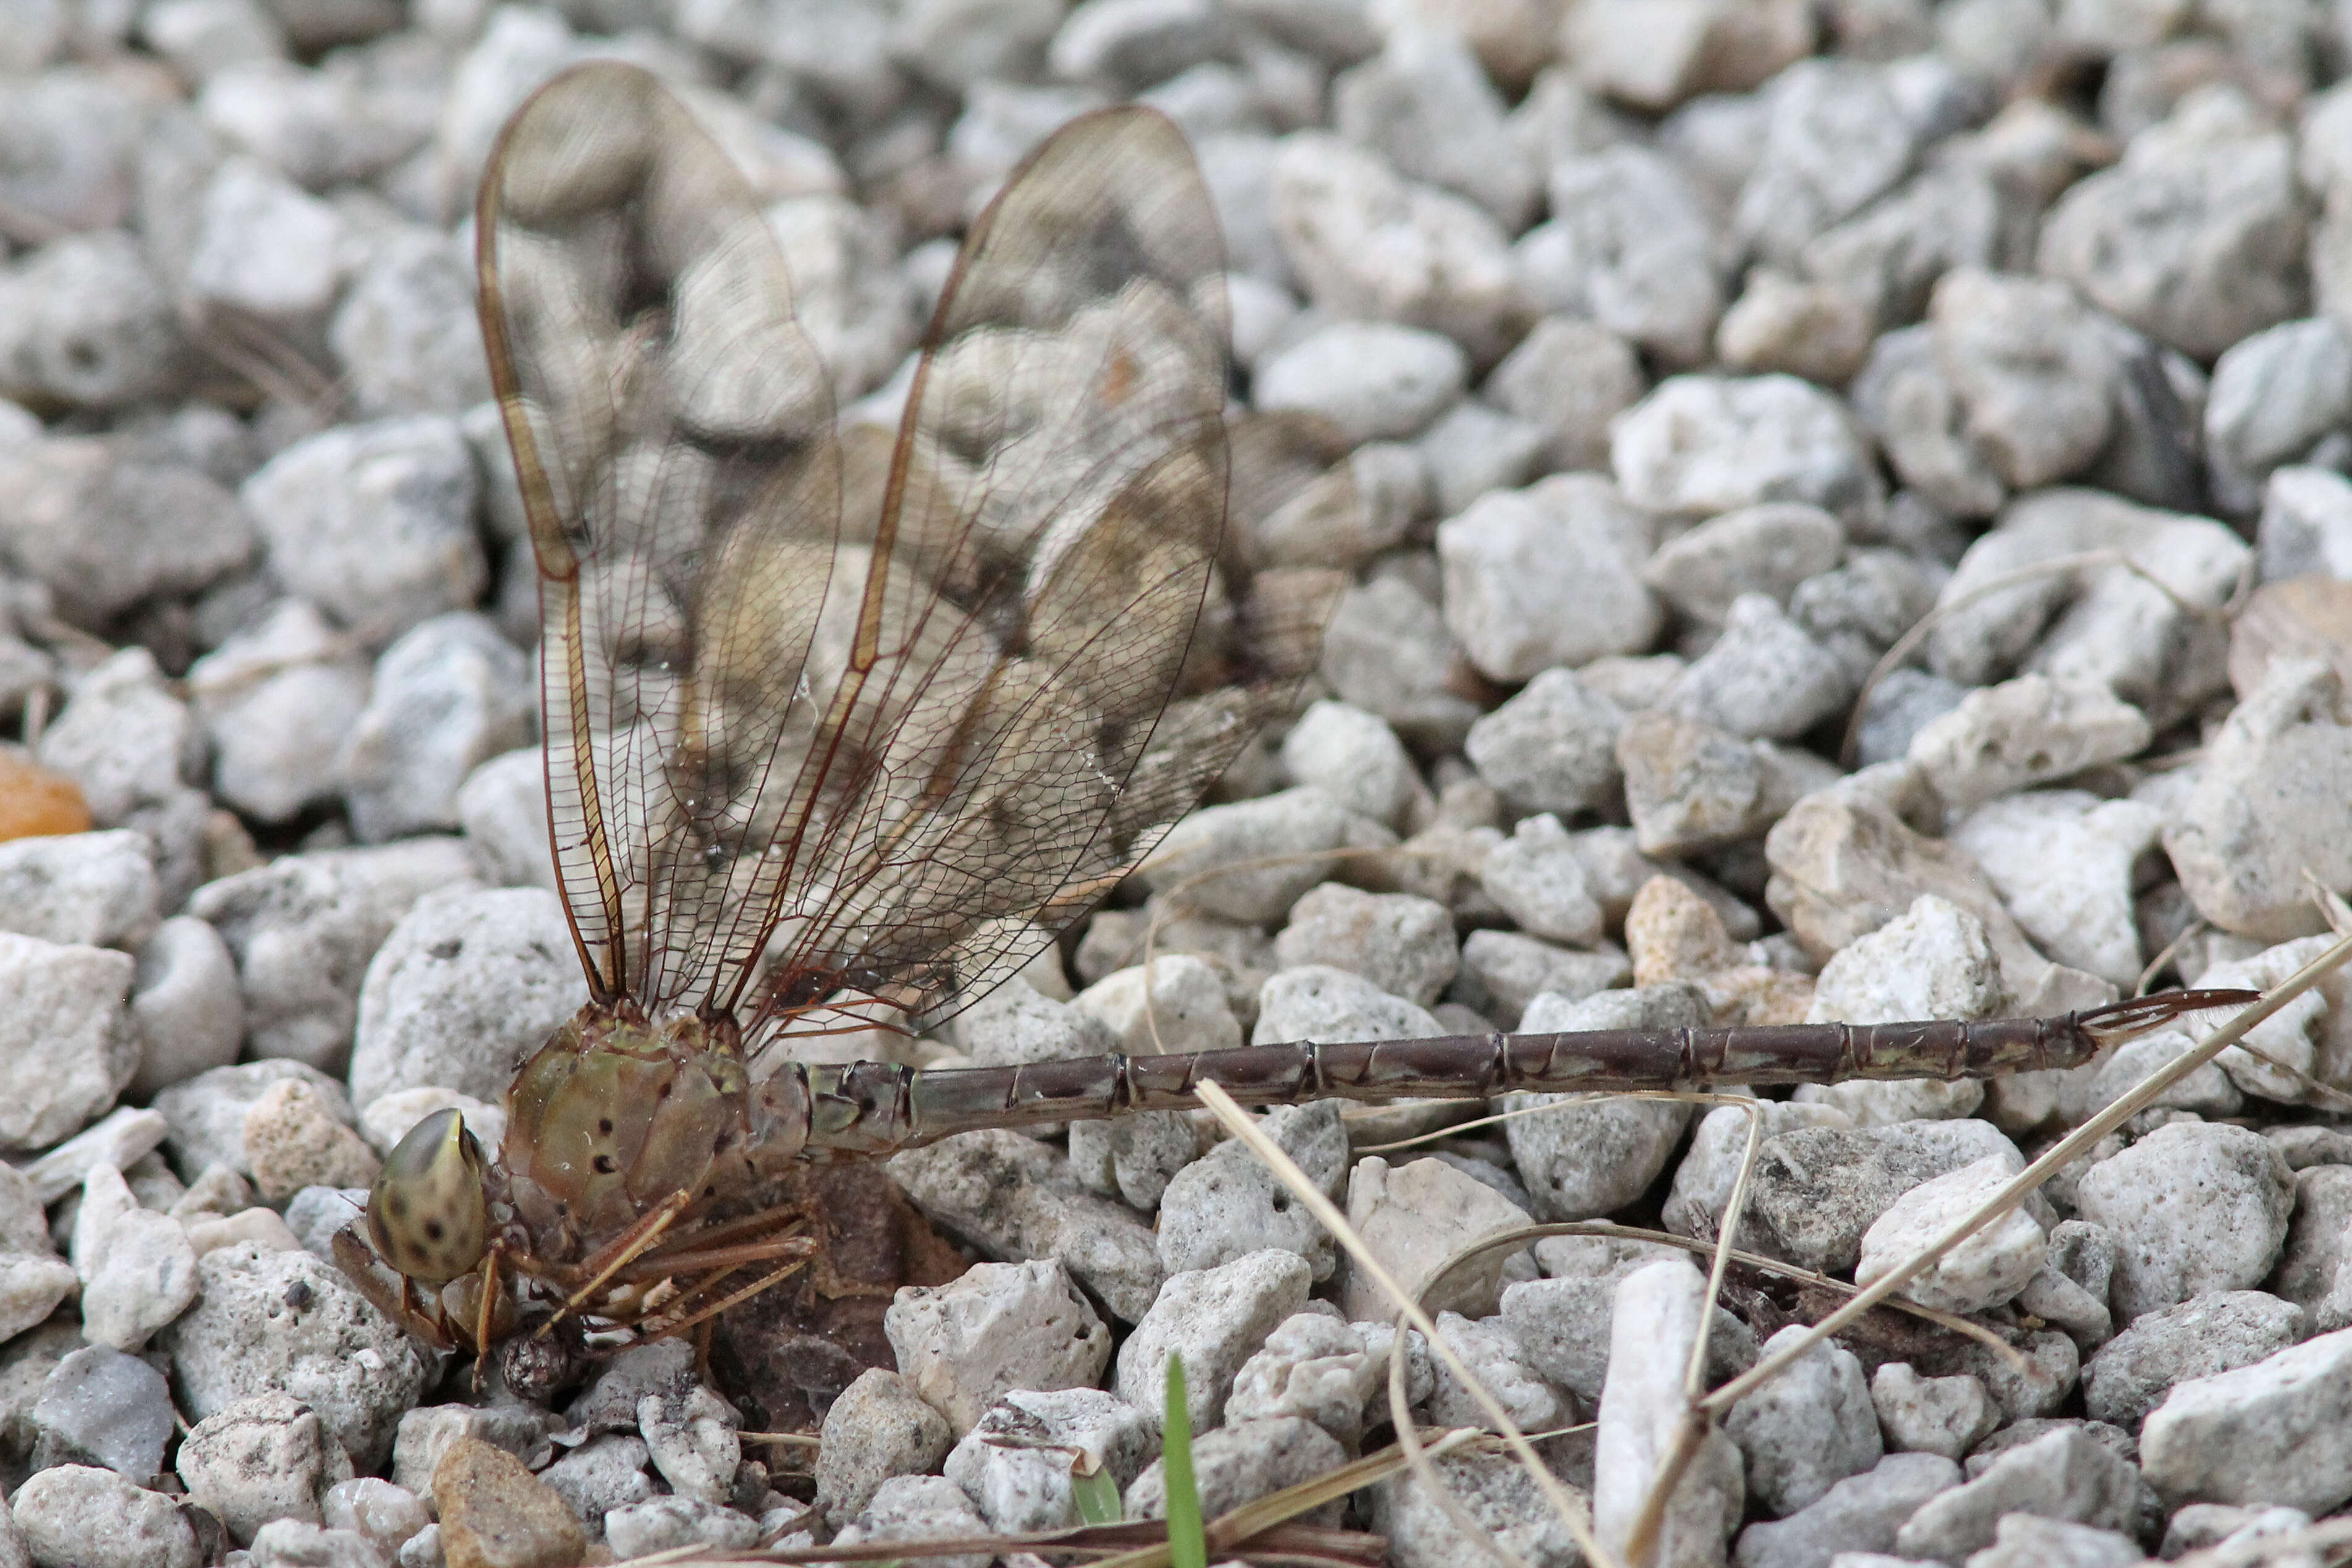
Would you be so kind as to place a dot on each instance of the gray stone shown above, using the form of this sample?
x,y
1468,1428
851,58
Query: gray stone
x,y
1516,562
1372,380
1944,1417
1426,105
75,1516
1355,757
1243,1462
463,991
879,1427
2197,238
1016,1464
1817,1190
1657,1318
1215,1319
1859,1514
304,927
2275,1432
2204,1335
1551,747
2195,1207
1631,246
278,699
1764,678
998,1326
606,1472
1295,825
264,1458
1403,945
1504,971
2065,1476
73,1049
1569,378
89,324
1496,1492
1387,649
1710,443
2276,396
1227,1205
1767,550
1585,1156
1808,1429
103,1406
449,695
93,889
246,1335
1837,134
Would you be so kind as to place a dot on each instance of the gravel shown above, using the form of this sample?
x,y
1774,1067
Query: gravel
x,y
1645,374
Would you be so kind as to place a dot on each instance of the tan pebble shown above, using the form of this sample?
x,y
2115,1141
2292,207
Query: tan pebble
x,y
495,1515
1750,994
35,802
1673,934
293,1140
262,1227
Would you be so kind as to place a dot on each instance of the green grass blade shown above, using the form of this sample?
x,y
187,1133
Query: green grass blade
x,y
1188,1543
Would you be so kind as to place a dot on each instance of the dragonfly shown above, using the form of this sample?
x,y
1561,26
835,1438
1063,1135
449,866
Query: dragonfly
x,y
820,741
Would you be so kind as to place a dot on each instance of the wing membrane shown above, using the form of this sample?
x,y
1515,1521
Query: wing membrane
x,y
785,761
666,411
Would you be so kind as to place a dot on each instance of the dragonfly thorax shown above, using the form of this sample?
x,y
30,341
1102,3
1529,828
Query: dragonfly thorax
x,y
615,1114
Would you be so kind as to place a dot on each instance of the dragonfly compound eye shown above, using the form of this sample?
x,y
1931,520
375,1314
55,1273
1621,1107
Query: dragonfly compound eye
x,y
427,1213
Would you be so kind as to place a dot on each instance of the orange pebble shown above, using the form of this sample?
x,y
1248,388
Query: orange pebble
x,y
34,800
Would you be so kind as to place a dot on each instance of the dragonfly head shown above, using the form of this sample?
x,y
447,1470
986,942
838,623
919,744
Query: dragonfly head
x,y
427,1214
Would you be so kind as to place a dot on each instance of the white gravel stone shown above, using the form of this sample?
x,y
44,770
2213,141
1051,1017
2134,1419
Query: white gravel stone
x,y
261,1459
2276,396
94,890
124,738
1764,678
2275,1432
669,1524
1372,380
1569,378
691,1440
396,337
1691,786
1227,1204
1175,1003
1712,443
2306,524
304,927
1503,1368
1495,1490
1806,1430
1516,560
1656,1317
1536,877
918,1508
72,1048
1401,943
1216,1318
1244,1462
2024,732
1631,246
463,991
88,323
1015,1200
1297,825
2065,1476
1551,747
1413,1217
1356,758
1988,1269
2262,815
1946,1416
1388,649
1504,971
266,248
2195,1208
2202,1337
502,810
246,1335
137,1269
184,1005
999,1326
2064,860
2196,237
1767,550
1371,244
373,523
1015,1464
449,695
1710,1166
1852,1520
608,1472
1816,1190
1313,1366
1426,105
278,699
2103,625
91,1517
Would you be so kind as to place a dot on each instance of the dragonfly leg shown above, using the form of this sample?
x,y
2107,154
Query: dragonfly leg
x,y
625,1249
485,1311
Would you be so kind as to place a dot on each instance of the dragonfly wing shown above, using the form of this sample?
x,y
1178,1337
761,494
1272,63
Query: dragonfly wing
x,y
1059,643
673,429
